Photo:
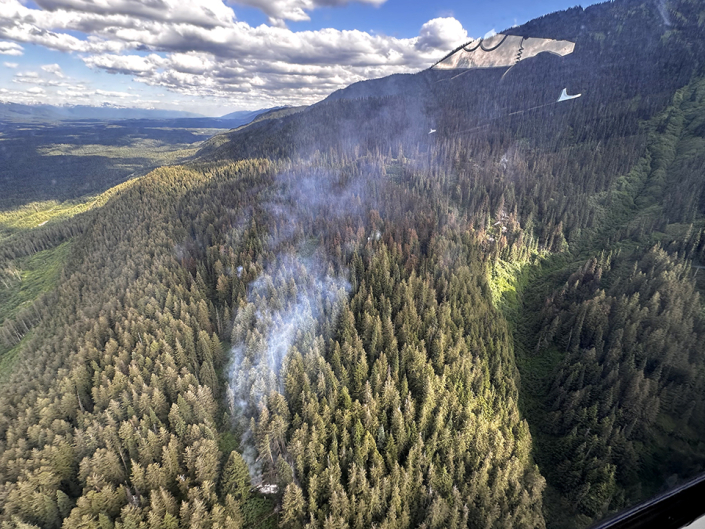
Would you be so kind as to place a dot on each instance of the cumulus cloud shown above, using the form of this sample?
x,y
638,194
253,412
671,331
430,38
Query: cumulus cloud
x,y
297,10
205,13
34,26
54,69
33,78
10,48
30,75
199,48
276,65
127,64
441,34
10,64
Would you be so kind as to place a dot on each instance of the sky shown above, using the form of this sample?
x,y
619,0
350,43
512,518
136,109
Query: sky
x,y
213,57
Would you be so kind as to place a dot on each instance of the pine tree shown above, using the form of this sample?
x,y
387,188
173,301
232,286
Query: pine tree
x,y
235,479
293,506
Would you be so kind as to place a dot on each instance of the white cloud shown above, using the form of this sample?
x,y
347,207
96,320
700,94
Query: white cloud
x,y
110,93
441,34
490,33
275,64
76,94
10,48
128,64
205,13
297,10
53,68
214,55
34,26
28,75
10,64
37,79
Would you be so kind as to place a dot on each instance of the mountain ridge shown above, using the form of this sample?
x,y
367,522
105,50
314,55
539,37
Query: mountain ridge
x,y
43,112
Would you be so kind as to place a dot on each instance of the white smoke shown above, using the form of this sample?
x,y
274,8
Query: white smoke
x,y
286,306
270,324
662,6
294,300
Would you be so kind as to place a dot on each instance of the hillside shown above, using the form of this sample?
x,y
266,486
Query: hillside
x,y
331,317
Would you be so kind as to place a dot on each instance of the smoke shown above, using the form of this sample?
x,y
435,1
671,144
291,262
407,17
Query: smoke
x,y
308,202
662,6
288,305
296,299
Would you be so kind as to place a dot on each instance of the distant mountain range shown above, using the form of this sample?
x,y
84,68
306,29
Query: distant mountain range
x,y
19,112
41,113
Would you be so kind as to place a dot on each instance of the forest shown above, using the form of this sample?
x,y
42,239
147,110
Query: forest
x,y
331,318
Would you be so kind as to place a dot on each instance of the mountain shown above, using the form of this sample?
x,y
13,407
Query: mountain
x,y
28,113
226,137
15,112
438,99
248,115
333,317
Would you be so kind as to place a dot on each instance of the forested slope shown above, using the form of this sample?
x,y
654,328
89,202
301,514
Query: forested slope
x,y
335,319
115,418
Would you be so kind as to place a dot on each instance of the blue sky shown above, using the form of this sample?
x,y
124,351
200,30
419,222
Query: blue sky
x,y
213,57
403,18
